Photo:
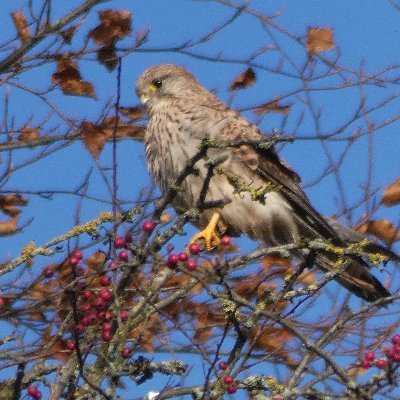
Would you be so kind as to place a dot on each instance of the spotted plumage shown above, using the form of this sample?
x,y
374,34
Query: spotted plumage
x,y
181,114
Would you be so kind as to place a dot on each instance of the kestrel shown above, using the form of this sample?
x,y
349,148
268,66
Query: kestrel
x,y
250,191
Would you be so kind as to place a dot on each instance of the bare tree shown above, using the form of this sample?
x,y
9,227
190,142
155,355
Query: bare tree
x,y
121,300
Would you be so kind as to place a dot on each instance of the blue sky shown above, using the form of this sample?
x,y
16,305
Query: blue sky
x,y
365,34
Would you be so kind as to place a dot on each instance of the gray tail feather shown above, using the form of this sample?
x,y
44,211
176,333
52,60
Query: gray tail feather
x,y
355,278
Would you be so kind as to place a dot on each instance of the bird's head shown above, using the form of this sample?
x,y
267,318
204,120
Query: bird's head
x,y
166,80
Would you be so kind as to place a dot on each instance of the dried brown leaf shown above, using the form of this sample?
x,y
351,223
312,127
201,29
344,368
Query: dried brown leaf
x,y
134,113
272,106
108,57
21,25
28,133
69,79
58,348
96,260
244,80
10,204
95,136
319,39
68,33
391,194
273,340
37,316
382,229
165,218
9,227
283,267
114,25
41,291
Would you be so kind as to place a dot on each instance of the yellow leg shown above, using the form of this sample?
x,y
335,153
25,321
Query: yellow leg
x,y
209,235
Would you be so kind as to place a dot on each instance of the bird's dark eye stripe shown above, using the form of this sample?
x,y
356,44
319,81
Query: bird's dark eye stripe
x,y
157,83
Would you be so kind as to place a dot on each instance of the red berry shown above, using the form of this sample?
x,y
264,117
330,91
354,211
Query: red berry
x,y
87,294
124,315
100,315
231,388
228,380
74,261
99,303
85,308
123,255
126,352
396,356
2,301
79,328
226,240
92,318
170,248
106,335
173,260
84,321
148,226
183,256
71,345
105,295
381,363
194,248
128,238
191,265
32,390
107,326
48,271
105,280
77,253
366,364
222,365
369,356
396,339
277,398
119,242
106,316
113,264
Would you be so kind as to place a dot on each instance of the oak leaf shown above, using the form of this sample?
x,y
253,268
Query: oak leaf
x,y
10,203
21,25
114,25
69,78
96,260
68,33
95,136
108,57
8,227
244,80
391,194
134,113
28,133
273,106
319,39
382,229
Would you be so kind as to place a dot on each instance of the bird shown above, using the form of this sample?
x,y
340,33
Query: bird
x,y
250,190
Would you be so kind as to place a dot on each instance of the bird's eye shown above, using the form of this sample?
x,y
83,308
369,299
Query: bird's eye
x,y
157,83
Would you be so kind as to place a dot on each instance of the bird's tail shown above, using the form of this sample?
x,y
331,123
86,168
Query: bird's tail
x,y
355,278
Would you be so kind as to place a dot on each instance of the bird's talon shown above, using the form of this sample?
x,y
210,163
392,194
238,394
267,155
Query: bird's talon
x,y
211,240
208,234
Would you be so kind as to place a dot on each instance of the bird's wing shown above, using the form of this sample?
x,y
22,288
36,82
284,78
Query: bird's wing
x,y
274,170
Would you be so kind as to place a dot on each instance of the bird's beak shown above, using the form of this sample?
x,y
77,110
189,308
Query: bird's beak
x,y
144,98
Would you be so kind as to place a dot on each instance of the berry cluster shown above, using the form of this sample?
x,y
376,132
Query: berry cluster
x,y
184,258
227,379
392,356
